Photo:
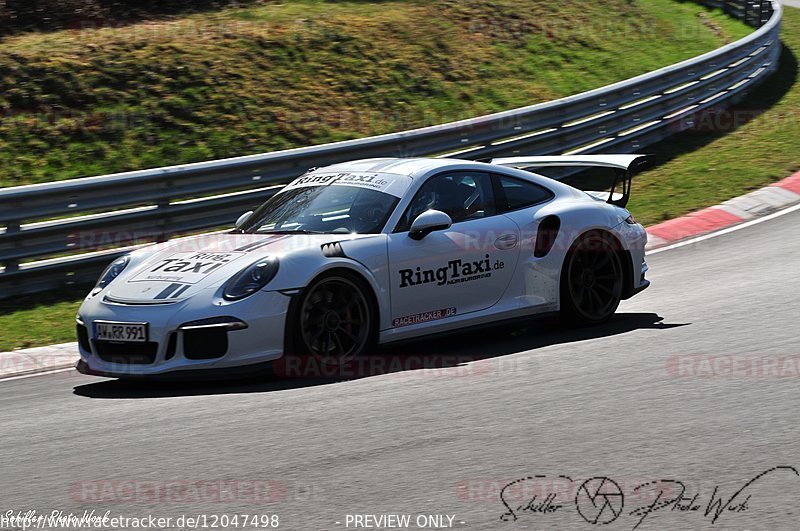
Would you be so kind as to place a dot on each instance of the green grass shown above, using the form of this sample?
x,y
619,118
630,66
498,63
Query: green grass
x,y
248,80
38,320
701,170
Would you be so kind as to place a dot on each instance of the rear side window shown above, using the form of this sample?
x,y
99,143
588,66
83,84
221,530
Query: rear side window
x,y
516,193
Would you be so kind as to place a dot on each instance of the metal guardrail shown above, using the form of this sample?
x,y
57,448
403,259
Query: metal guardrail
x,y
753,12
65,232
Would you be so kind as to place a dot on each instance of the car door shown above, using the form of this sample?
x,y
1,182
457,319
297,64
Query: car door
x,y
536,280
463,269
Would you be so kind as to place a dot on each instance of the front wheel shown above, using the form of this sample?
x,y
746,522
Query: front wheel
x,y
591,280
335,320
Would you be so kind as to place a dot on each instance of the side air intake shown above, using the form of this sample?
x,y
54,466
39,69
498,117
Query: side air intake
x,y
546,236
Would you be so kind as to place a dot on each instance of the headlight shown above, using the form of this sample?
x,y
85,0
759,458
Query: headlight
x,y
251,279
111,272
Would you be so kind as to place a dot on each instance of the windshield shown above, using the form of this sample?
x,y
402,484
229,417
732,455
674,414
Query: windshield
x,y
324,210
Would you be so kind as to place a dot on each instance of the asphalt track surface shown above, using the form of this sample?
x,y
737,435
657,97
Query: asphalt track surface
x,y
613,401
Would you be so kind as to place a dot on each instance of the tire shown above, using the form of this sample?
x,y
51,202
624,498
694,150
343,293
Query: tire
x,y
591,280
335,320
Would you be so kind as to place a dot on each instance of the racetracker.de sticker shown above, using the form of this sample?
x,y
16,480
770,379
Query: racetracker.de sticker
x,y
424,317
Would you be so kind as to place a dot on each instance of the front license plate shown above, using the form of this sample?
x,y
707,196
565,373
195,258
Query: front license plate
x,y
120,332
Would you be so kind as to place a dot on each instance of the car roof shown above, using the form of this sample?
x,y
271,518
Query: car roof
x,y
418,168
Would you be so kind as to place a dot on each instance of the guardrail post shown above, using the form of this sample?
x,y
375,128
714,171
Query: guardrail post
x,y
163,205
756,16
163,221
726,8
12,265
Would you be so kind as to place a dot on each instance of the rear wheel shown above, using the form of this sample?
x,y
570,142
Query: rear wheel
x,y
335,320
591,280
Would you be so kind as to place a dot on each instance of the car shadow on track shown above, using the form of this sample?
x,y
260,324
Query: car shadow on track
x,y
462,351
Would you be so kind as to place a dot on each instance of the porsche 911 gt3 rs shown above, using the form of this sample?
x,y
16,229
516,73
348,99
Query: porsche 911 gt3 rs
x,y
366,252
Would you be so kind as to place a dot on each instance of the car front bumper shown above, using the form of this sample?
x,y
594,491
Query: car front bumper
x,y
202,333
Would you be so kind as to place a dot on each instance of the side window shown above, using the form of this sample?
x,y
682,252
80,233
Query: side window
x,y
462,196
521,194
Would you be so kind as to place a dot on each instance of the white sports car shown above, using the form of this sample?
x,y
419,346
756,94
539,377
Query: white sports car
x,y
366,252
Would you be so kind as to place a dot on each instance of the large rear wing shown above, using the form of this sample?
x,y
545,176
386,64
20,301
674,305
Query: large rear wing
x,y
625,166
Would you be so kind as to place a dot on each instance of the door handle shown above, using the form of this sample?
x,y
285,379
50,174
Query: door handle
x,y
506,242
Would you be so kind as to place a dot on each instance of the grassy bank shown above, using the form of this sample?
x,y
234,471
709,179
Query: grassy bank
x,y
44,319
247,80
718,161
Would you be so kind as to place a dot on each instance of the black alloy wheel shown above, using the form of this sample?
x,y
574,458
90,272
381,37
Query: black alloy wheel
x,y
591,286
335,320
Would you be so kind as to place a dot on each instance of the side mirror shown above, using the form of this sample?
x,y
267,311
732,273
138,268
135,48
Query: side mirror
x,y
427,222
243,219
